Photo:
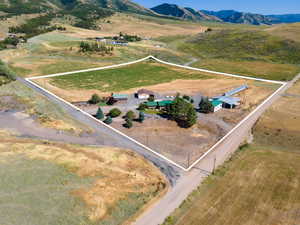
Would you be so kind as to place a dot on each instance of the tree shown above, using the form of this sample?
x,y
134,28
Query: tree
x,y
114,113
108,120
128,123
94,99
191,117
142,107
141,117
151,98
130,115
205,106
100,114
182,112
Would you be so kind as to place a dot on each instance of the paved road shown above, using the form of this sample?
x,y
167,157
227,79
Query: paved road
x,y
190,180
108,137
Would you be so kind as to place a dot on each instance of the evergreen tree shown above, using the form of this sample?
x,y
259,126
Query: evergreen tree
x,y
94,99
141,117
205,106
100,114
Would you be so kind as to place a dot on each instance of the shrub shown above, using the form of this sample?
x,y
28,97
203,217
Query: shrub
x,y
130,115
114,113
108,120
142,107
128,123
95,99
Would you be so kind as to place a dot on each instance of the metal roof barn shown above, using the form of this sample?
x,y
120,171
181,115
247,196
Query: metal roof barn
x,y
236,90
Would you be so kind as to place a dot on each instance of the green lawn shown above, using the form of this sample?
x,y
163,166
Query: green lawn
x,y
124,78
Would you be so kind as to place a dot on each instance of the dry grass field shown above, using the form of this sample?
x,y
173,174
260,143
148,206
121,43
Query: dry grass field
x,y
181,145
16,96
136,25
288,31
50,183
260,184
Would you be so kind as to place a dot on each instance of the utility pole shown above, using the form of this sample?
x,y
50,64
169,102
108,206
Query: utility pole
x,y
214,168
188,159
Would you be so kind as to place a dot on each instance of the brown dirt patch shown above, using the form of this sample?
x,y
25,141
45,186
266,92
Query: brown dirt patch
x,y
167,138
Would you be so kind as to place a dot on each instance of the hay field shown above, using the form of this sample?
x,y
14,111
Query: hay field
x,y
49,183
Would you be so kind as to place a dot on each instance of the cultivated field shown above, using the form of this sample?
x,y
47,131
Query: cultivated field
x,y
50,183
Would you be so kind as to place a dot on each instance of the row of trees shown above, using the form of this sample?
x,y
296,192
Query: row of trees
x,y
95,47
113,113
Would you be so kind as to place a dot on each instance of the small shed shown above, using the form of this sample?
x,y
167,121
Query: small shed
x,y
144,94
217,104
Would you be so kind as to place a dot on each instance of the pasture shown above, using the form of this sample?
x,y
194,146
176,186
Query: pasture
x,y
52,183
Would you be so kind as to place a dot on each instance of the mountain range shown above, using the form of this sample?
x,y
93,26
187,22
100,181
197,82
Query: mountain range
x,y
107,7
230,16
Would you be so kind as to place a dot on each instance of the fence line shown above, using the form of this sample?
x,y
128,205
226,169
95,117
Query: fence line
x,y
171,64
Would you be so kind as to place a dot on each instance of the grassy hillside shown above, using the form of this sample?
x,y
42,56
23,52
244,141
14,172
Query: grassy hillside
x,y
260,184
6,75
240,50
244,45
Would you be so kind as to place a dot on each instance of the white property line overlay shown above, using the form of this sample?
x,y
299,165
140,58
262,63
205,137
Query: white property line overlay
x,y
284,84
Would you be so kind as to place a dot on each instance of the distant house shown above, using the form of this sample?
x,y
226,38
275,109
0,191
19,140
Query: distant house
x,y
144,94
119,97
217,104
120,43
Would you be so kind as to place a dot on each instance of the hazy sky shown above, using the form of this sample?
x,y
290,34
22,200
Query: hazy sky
x,y
255,6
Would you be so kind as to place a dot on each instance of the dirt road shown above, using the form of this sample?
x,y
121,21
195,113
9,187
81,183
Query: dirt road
x,y
108,137
190,180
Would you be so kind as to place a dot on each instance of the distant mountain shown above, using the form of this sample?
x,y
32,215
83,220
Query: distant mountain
x,y
36,6
287,18
230,16
183,13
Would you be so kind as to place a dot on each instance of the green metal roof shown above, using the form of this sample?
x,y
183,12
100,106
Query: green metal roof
x,y
164,103
120,96
160,103
151,104
216,103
